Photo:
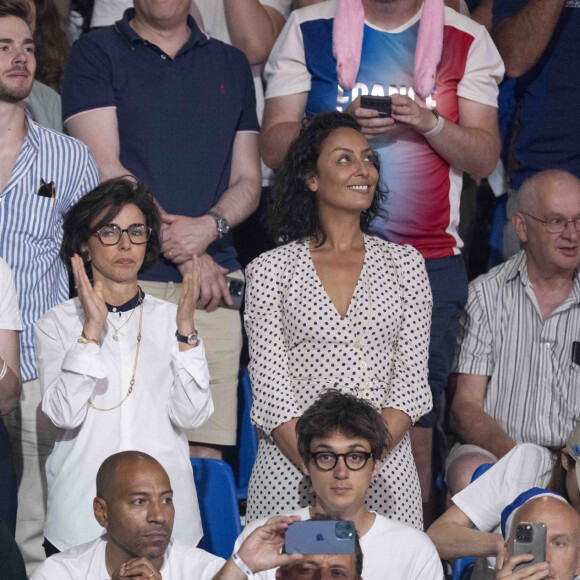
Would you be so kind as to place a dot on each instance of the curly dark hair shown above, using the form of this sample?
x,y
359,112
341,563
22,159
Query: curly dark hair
x,y
333,412
293,213
108,199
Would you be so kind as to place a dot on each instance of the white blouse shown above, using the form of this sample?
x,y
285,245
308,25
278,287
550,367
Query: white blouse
x,y
9,313
171,393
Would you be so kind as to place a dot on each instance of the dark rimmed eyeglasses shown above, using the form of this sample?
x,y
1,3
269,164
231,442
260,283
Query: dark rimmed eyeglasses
x,y
327,460
111,234
556,225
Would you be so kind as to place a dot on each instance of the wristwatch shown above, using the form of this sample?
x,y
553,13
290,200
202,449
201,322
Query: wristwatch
x,y
222,225
191,339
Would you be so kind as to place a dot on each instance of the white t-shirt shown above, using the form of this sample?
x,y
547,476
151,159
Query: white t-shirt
x,y
391,550
87,561
525,466
9,313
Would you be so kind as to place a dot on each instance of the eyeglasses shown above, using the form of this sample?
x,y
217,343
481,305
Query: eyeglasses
x,y
111,234
556,225
327,460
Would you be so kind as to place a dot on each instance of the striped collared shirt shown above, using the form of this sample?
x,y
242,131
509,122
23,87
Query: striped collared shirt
x,y
534,387
31,225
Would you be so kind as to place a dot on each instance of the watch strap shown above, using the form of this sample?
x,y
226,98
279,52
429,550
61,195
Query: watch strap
x,y
190,339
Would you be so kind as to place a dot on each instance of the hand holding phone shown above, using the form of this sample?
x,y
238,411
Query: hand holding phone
x,y
320,537
381,104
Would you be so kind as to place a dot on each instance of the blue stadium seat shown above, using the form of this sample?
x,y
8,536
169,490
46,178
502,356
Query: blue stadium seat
x,y
248,438
218,504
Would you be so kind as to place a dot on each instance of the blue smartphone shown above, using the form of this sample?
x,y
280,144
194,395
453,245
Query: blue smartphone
x,y
320,537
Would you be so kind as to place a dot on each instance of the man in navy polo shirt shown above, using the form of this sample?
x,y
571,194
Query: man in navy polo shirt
x,y
539,41
154,97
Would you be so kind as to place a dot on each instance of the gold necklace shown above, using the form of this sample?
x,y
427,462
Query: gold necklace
x,y
132,381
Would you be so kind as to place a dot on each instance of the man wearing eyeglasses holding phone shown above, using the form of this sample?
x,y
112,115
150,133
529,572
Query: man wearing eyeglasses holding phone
x,y
517,364
342,441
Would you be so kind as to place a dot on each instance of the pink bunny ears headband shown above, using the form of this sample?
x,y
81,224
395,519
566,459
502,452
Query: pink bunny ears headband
x,y
347,40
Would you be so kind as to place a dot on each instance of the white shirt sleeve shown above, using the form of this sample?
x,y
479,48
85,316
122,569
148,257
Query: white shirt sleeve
x,y
525,466
282,6
484,71
9,313
67,376
286,72
190,403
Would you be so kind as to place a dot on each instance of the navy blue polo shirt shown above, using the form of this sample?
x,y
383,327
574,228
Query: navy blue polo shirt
x,y
177,117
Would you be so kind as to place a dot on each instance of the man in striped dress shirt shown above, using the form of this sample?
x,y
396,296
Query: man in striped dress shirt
x,y
42,174
517,362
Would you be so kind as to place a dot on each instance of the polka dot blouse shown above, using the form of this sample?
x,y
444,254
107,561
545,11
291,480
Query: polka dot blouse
x,y
299,345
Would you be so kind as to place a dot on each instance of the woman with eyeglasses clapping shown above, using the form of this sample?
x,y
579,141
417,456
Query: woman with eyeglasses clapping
x,y
118,369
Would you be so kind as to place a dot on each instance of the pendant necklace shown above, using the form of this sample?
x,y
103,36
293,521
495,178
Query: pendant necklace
x,y
132,381
116,330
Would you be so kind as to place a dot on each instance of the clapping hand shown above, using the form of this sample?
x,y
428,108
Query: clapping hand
x,y
91,298
188,299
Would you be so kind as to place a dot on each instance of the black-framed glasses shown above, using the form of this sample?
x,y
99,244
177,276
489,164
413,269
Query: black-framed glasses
x,y
327,460
111,234
556,225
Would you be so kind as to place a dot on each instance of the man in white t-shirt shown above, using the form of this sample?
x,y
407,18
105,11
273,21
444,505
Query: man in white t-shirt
x,y
341,440
134,504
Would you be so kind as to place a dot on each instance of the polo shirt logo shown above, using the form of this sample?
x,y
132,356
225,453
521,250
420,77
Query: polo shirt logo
x,y
223,89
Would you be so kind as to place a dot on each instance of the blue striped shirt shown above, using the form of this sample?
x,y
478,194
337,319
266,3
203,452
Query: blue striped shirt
x,y
31,225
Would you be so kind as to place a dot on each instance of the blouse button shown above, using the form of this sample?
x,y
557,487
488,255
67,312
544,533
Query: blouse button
x,y
363,364
357,344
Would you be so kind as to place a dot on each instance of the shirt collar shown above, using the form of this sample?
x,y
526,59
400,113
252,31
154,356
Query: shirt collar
x,y
197,37
519,267
32,136
129,305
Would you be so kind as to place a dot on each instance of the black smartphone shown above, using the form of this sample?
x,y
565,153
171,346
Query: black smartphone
x,y
381,104
576,352
236,288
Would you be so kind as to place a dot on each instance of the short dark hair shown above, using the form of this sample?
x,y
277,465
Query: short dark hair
x,y
358,554
106,473
334,411
293,213
16,9
108,199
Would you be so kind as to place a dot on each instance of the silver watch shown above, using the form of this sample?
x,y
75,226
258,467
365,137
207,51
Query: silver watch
x,y
222,225
190,339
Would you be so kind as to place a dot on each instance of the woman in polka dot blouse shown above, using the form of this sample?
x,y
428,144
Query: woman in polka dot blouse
x,y
334,308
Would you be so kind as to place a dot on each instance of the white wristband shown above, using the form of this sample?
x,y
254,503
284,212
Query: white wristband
x,y
242,565
4,370
437,129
